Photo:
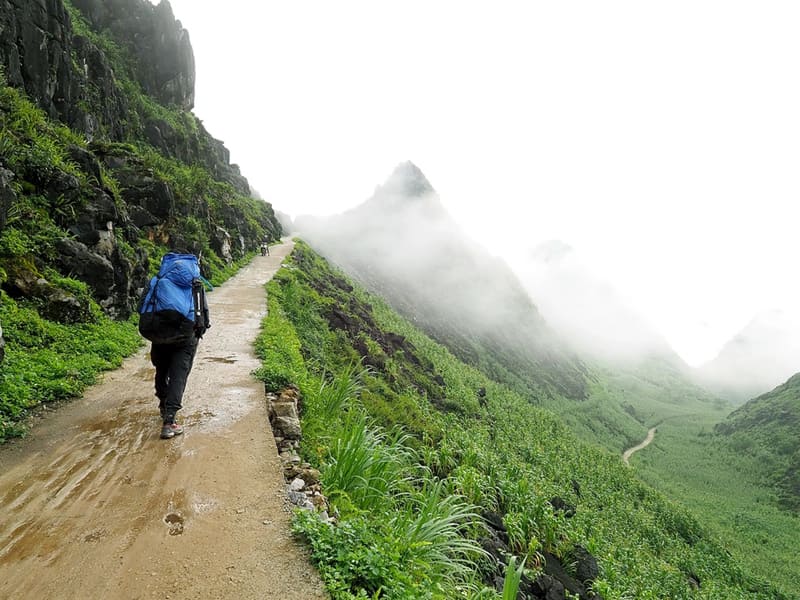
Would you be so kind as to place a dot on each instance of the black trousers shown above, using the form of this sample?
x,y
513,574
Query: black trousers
x,y
173,363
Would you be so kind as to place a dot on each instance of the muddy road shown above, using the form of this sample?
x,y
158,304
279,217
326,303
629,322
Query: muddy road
x,y
94,505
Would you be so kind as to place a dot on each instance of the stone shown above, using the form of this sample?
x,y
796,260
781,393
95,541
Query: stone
x,y
310,476
7,195
297,498
297,485
288,427
285,409
586,567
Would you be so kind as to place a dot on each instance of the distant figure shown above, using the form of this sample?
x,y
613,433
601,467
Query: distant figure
x,y
174,316
264,249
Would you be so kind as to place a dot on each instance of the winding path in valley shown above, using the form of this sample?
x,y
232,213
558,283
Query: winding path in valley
x,y
644,444
94,505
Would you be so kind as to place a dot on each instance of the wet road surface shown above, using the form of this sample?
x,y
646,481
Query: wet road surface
x,y
94,505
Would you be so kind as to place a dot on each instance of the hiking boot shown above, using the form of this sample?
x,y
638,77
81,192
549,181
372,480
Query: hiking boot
x,y
170,430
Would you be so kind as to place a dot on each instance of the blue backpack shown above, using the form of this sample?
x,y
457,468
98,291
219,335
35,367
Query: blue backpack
x,y
174,309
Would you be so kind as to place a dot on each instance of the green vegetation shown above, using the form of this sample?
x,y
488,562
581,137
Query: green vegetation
x,y
48,362
766,429
687,461
418,420
625,402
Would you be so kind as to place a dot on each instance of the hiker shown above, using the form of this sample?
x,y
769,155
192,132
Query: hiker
x,y
174,316
264,249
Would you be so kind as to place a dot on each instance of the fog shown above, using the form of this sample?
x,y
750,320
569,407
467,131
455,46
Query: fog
x,y
657,139
404,244
586,311
760,357
403,239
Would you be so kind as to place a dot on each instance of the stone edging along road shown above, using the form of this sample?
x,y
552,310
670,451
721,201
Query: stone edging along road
x,y
95,505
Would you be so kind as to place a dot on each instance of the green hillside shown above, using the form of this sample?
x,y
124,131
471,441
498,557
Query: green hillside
x,y
626,400
404,246
727,489
480,450
767,429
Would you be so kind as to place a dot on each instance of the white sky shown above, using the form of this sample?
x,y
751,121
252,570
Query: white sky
x,y
660,140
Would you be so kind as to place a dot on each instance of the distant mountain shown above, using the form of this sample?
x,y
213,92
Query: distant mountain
x,y
586,311
761,356
403,245
768,426
638,379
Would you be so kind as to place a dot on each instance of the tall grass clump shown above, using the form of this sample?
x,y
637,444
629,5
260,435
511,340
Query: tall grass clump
x,y
365,466
399,533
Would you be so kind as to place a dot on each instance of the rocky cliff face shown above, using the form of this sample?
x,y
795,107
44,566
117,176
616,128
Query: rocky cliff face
x,y
42,54
73,80
164,59
120,74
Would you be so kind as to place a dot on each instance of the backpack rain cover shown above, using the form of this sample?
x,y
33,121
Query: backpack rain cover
x,y
170,312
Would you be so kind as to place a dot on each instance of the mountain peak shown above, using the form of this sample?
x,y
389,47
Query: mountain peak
x,y
407,179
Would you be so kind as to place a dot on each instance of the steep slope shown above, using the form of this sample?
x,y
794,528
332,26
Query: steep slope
x,y
639,381
767,427
409,500
761,356
403,244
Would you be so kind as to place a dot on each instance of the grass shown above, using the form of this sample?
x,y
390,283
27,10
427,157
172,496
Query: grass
x,y
685,461
50,362
492,451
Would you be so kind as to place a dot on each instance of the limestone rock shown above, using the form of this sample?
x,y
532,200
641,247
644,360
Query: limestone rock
x,y
290,428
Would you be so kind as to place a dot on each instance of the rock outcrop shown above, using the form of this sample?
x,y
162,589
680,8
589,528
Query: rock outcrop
x,y
164,57
102,68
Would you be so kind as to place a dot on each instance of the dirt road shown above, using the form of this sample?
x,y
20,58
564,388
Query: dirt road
x,y
644,444
94,505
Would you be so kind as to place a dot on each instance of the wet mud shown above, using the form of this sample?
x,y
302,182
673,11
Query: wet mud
x,y
93,504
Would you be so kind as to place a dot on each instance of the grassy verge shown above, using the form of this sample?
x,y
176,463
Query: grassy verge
x,y
49,362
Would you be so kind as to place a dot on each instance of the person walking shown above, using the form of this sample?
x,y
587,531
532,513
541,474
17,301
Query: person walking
x,y
174,316
173,363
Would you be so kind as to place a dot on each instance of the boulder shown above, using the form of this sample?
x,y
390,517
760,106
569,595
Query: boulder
x,y
97,271
586,567
288,427
55,304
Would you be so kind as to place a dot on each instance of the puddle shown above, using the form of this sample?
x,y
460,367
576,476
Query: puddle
x,y
219,359
232,405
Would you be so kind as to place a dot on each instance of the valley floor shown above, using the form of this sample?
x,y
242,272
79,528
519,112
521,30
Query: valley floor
x,y
96,505
726,491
